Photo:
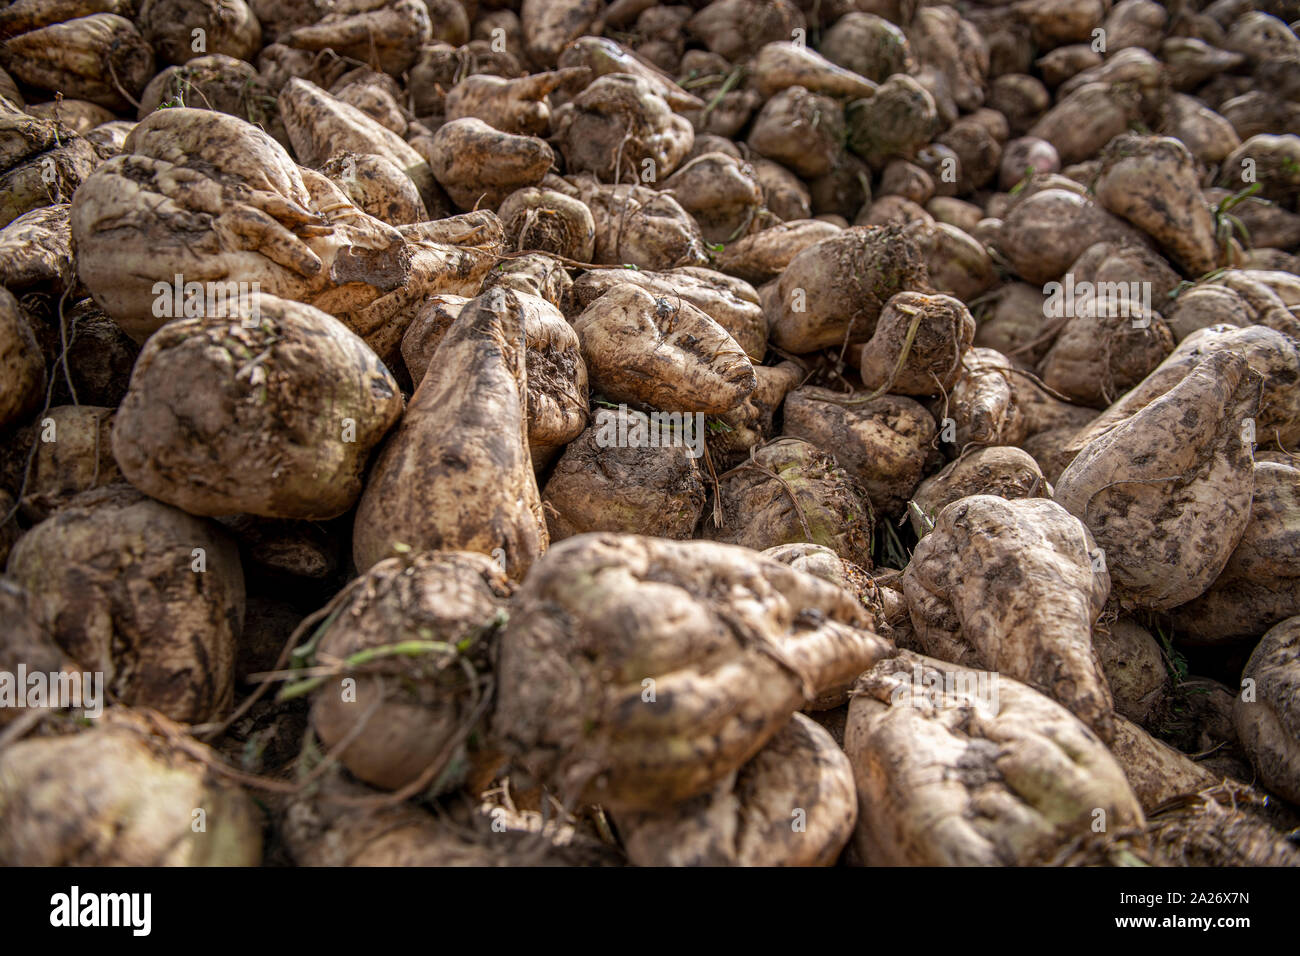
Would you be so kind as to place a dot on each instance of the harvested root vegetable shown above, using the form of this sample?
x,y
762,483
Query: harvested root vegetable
x,y
1166,492
731,303
639,227
1121,266
150,596
983,405
958,263
322,127
785,195
80,116
228,28
1134,668
1005,472
36,250
897,121
457,474
109,139
868,45
1021,99
26,642
1047,231
1152,182
101,58
739,303
544,220
834,291
792,804
737,29
22,366
619,127
72,452
939,36
517,106
791,491
780,66
557,375
386,34
481,166
1227,826
1208,136
764,255
602,57
1105,349
556,397
216,82
637,672
1157,772
1087,118
24,15
375,94
41,162
1013,586
1273,355
628,473
440,66
666,353
256,220
1025,157
1190,62
452,255
721,192
536,274
271,412
1258,587
917,346
883,443
1010,320
9,89
549,25
969,768
908,180
252,208
414,635
894,210
751,422
1275,161
130,784
801,130
820,561
377,186
1267,711
978,150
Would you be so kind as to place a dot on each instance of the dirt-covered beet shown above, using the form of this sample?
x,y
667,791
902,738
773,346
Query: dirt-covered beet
x,y
395,715
226,415
930,743
621,679
132,788
427,487
146,594
1014,586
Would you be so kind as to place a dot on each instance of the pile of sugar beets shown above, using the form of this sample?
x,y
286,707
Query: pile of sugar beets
x,y
583,433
